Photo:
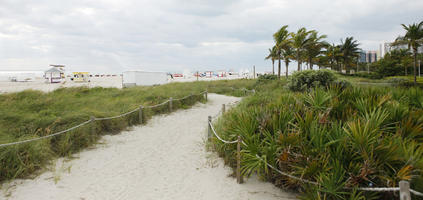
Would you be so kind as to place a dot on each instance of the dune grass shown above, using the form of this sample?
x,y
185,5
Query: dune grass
x,y
31,114
354,137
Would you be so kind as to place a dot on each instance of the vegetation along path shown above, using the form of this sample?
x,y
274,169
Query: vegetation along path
x,y
165,159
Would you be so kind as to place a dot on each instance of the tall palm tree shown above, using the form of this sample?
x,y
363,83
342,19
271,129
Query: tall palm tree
x,y
287,55
414,39
273,56
299,41
349,50
314,47
333,55
282,41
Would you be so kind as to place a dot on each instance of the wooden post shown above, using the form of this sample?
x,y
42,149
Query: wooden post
x,y
206,94
140,115
93,125
223,108
404,190
238,161
245,92
254,71
209,131
170,104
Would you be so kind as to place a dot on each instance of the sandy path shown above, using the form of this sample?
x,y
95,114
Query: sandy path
x,y
165,159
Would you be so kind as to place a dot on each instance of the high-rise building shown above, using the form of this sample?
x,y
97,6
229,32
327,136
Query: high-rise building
x,y
387,48
371,56
362,57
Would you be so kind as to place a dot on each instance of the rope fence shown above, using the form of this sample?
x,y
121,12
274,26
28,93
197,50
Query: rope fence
x,y
404,186
93,119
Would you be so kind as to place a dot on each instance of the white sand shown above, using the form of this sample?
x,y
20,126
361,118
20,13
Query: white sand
x,y
165,159
115,82
39,84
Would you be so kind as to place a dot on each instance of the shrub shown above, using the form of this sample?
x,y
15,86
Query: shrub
x,y
341,84
267,77
401,82
371,75
264,79
307,79
360,137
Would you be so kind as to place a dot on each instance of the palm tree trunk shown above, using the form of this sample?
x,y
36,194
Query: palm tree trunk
x,y
310,62
273,65
415,66
279,69
406,70
299,61
286,68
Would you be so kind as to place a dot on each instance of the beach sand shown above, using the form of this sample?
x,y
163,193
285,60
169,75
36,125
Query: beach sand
x,y
165,159
107,82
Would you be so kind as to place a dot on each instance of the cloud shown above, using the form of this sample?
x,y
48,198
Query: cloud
x,y
172,35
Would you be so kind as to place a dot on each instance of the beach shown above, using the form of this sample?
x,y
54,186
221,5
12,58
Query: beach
x,y
164,159
107,82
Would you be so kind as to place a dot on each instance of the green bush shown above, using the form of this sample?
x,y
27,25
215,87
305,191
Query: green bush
x,y
342,84
267,77
357,137
307,79
371,75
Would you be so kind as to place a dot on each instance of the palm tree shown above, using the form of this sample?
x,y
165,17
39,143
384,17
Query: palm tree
x,y
333,55
403,56
349,50
282,42
287,55
299,41
273,56
314,47
414,39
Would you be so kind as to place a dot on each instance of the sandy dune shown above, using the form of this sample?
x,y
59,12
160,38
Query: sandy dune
x,y
164,159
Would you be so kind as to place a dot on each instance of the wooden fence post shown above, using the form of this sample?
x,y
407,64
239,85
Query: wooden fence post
x,y
238,161
140,115
404,190
93,125
209,131
223,108
170,104
206,95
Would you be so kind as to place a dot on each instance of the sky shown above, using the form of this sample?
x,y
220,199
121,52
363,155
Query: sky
x,y
112,36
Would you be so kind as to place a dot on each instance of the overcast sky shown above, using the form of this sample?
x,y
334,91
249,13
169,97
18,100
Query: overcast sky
x,y
173,35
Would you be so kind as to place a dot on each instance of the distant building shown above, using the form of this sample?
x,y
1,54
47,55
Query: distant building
x,y
387,48
362,57
371,56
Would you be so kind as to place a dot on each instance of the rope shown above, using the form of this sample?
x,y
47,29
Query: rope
x,y
117,116
285,174
379,189
47,136
158,104
416,193
183,97
224,141
86,122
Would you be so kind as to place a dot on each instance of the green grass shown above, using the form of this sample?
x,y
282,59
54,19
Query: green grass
x,y
409,78
358,80
358,137
31,114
